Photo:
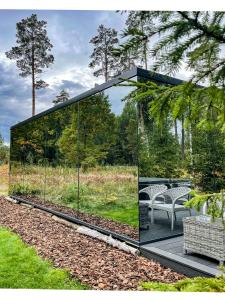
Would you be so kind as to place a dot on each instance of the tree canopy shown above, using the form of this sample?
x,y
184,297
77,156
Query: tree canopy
x,y
102,55
62,97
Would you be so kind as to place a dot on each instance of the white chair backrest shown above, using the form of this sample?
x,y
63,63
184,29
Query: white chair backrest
x,y
177,192
154,190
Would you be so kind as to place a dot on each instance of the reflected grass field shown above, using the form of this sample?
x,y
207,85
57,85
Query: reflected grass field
x,y
4,179
108,191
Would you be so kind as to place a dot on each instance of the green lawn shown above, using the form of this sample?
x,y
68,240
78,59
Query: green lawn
x,y
21,267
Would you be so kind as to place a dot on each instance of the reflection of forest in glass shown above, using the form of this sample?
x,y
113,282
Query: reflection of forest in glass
x,y
82,157
176,156
174,149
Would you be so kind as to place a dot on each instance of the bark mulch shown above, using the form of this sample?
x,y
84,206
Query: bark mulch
x,y
114,226
91,261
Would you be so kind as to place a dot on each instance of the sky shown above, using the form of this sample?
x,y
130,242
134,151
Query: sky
x,y
70,33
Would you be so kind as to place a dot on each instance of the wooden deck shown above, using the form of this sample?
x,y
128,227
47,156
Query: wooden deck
x,y
169,253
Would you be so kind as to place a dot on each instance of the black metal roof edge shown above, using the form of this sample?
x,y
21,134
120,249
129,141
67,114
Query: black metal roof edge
x,y
79,221
148,74
126,75
157,77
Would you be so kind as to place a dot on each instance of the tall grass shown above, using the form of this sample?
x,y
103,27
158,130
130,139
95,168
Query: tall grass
x,y
4,179
107,191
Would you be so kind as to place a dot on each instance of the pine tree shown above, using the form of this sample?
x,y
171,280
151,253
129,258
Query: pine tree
x,y
102,55
138,33
62,97
192,37
32,52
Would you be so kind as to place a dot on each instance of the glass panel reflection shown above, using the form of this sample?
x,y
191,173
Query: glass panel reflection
x,y
163,185
34,160
62,158
17,161
174,158
108,162
82,160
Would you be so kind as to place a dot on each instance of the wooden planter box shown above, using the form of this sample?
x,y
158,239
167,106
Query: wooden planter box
x,y
204,237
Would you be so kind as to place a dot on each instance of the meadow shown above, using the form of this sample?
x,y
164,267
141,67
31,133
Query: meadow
x,y
106,191
4,179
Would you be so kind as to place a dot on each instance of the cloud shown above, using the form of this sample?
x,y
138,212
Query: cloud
x,y
15,92
70,33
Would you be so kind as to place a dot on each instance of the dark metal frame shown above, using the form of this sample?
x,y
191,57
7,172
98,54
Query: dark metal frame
x,y
140,73
78,221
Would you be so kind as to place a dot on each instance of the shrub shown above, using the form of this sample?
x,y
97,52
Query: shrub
x,y
69,195
196,284
23,189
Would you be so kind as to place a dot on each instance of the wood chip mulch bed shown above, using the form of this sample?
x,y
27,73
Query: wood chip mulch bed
x,y
114,226
91,261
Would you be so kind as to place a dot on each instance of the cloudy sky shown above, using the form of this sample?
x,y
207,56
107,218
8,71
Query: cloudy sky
x,y
70,33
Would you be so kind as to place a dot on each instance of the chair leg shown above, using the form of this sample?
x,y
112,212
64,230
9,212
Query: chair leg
x,y
168,214
152,215
175,217
172,221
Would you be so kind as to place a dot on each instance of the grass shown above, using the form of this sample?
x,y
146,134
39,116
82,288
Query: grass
x,y
109,191
21,267
4,180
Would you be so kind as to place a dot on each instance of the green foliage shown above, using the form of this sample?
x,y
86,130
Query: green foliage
x,y
158,286
193,37
201,112
4,152
215,204
23,189
96,133
197,284
102,55
137,37
20,267
69,195
124,150
62,97
159,154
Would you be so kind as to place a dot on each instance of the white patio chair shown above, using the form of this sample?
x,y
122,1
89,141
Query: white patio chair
x,y
171,207
153,191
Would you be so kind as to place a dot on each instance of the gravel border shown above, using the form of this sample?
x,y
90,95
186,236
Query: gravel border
x,y
91,261
114,226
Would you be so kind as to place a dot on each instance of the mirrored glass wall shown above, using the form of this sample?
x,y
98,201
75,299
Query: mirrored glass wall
x,y
82,160
176,158
107,160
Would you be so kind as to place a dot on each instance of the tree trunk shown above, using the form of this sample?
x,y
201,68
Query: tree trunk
x,y
106,62
33,93
145,55
33,83
145,47
175,129
182,139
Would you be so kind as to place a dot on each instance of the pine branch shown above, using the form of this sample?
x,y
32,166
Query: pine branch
x,y
206,30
